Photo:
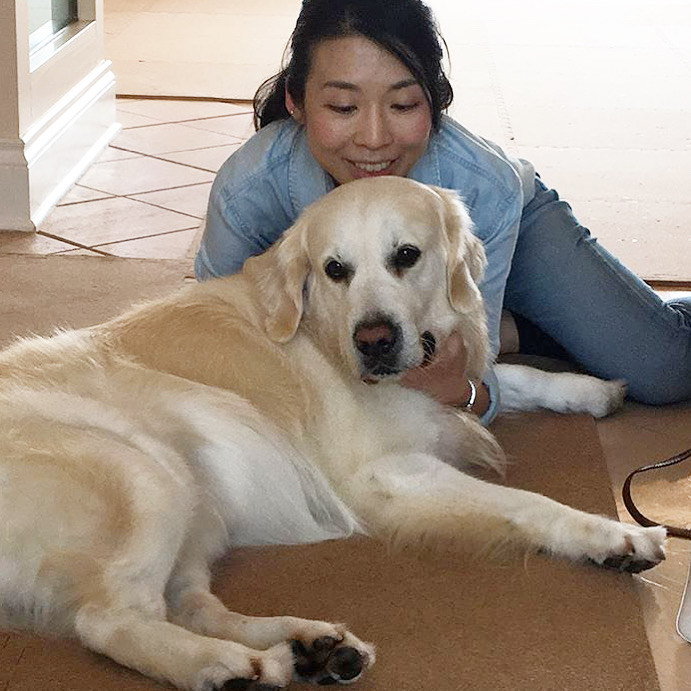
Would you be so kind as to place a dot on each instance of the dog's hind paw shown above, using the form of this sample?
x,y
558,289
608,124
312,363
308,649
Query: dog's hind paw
x,y
328,660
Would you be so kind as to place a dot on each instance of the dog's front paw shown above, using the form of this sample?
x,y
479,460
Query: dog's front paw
x,y
607,398
629,548
582,393
337,659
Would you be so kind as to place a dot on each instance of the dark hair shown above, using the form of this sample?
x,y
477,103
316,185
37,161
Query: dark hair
x,y
405,28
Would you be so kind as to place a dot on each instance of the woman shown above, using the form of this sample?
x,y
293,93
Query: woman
x,y
363,95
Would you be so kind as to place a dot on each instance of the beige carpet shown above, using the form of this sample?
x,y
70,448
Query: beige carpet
x,y
444,626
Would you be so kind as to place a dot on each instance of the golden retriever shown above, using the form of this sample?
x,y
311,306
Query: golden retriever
x,y
135,452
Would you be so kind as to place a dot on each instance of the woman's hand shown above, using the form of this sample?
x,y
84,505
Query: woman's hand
x,y
444,378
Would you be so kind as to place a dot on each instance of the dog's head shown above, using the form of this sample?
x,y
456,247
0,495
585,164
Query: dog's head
x,y
377,271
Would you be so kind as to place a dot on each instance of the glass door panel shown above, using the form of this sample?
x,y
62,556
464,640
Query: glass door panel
x,y
48,18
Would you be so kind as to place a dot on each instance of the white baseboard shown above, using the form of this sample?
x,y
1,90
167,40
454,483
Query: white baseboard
x,y
38,168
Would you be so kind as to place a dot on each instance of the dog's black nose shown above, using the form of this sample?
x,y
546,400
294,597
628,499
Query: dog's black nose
x,y
376,339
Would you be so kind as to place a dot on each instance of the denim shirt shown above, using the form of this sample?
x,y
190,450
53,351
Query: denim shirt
x,y
264,186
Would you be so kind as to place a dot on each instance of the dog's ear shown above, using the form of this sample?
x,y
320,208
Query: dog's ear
x,y
466,259
279,275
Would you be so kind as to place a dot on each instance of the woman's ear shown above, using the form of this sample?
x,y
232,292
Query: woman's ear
x,y
466,259
293,109
279,275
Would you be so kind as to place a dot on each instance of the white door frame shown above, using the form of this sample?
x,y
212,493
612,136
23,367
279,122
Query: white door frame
x,y
57,111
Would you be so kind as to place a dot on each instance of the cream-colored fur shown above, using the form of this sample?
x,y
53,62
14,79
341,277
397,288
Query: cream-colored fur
x,y
135,452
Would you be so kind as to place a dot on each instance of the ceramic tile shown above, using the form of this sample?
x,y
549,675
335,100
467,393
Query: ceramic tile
x,y
191,200
112,153
164,138
30,243
80,194
174,245
179,111
238,126
111,220
141,174
130,120
209,159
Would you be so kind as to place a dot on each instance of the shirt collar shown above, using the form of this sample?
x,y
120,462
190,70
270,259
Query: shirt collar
x,y
307,180
426,169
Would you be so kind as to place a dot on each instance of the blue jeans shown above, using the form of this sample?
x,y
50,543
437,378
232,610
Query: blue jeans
x,y
607,319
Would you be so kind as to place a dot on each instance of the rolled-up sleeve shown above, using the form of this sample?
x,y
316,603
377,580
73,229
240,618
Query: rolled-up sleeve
x,y
490,380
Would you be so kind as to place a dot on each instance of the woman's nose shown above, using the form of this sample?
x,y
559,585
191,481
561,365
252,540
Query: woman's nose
x,y
373,130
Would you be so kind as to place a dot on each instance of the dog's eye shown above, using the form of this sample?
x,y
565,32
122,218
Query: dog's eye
x,y
336,271
405,257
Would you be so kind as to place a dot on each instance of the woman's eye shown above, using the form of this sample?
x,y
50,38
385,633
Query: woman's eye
x,y
405,257
336,271
342,110
405,107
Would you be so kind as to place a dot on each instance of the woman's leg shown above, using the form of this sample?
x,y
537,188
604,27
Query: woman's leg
x,y
606,318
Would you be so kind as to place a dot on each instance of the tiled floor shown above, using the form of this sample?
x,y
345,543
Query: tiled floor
x,y
147,194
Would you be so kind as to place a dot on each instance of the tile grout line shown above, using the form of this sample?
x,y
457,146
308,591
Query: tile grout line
x,y
158,123
132,197
140,237
157,157
77,245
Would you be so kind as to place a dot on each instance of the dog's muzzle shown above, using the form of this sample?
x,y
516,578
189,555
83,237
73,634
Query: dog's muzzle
x,y
379,342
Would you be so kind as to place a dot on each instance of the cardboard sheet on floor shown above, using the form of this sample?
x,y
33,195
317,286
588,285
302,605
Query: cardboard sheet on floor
x,y
446,626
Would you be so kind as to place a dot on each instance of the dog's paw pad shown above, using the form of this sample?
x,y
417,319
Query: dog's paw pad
x,y
628,564
641,549
345,664
327,661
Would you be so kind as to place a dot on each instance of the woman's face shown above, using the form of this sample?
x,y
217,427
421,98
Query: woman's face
x,y
364,113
